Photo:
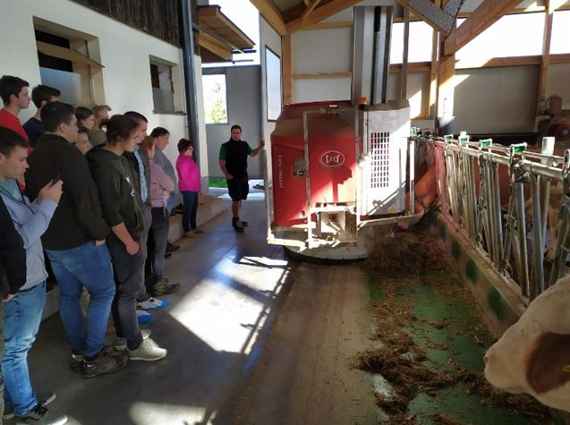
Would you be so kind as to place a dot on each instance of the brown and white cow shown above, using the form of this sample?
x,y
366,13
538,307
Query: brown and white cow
x,y
533,356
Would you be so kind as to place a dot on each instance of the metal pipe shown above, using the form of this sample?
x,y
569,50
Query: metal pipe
x,y
538,246
521,234
186,9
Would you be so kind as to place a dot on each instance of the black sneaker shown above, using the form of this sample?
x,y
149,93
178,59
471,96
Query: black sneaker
x,y
237,225
170,248
76,362
244,223
39,415
164,287
45,402
104,364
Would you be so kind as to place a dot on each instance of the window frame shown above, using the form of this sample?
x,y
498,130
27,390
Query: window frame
x,y
227,122
268,118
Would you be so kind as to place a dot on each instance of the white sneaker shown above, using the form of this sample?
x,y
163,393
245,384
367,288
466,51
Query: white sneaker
x,y
120,344
152,304
148,351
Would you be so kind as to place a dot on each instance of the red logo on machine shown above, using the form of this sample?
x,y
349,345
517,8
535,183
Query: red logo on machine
x,y
332,159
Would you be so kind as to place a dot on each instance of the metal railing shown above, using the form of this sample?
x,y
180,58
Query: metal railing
x,y
502,199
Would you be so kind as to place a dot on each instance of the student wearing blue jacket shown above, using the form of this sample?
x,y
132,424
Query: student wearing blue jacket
x,y
23,310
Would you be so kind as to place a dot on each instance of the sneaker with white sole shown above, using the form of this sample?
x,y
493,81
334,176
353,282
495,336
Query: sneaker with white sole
x,y
148,351
44,402
144,318
152,303
40,415
120,344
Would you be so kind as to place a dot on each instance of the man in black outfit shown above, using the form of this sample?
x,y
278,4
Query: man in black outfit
x,y
233,162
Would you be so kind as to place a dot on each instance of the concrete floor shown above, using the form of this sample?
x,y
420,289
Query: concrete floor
x,y
233,290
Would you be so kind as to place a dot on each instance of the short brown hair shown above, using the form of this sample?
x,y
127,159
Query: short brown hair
x,y
147,143
101,108
120,127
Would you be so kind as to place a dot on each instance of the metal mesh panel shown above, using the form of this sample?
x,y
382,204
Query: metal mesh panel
x,y
379,149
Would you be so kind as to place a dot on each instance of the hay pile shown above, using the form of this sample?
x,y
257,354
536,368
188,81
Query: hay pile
x,y
401,362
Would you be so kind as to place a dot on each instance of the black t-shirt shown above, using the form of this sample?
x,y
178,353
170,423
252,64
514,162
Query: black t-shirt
x,y
34,128
235,154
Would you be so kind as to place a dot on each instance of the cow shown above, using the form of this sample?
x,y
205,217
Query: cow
x,y
533,355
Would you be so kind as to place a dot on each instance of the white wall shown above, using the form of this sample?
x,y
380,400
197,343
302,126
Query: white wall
x,y
268,37
486,100
124,52
243,88
495,99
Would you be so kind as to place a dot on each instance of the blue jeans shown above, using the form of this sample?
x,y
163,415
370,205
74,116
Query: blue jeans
x,y
86,266
190,210
22,317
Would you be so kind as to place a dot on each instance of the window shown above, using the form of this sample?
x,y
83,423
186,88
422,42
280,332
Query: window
x,y
67,62
273,80
215,98
420,44
512,35
162,85
561,33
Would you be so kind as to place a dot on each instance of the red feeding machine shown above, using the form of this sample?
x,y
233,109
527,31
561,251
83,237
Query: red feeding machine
x,y
336,167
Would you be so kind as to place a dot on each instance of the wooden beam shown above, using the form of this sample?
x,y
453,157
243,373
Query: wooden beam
x,y
321,13
327,26
215,46
545,60
489,12
513,61
310,9
323,76
272,15
430,13
431,98
287,53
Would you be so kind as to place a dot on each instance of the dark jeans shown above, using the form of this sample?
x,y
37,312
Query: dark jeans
x,y
147,216
190,210
157,242
86,266
128,276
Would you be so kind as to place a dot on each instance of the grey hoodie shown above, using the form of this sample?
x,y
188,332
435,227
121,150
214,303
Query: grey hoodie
x,y
31,220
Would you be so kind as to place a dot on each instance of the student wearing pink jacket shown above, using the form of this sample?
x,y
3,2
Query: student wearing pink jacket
x,y
189,185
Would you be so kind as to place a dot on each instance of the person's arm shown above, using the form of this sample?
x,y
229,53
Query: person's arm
x,y
121,232
165,182
80,187
110,193
222,161
255,152
43,209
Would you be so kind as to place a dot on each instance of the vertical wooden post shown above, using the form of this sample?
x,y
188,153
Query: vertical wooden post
x,y
287,69
430,105
549,7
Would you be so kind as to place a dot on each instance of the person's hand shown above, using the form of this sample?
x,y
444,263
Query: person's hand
x,y
229,177
99,243
262,143
52,191
8,298
133,248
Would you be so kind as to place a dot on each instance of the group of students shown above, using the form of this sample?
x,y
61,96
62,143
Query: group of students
x,y
91,193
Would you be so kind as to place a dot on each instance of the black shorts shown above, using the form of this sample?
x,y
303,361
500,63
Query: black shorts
x,y
238,188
